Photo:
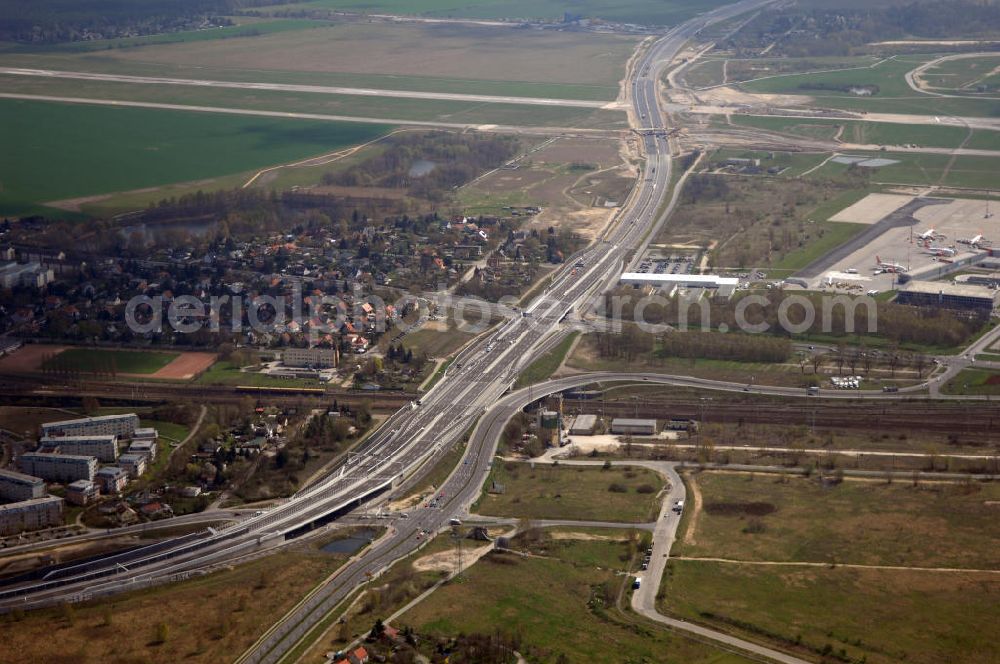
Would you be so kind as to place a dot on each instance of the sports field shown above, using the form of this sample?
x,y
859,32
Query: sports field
x,y
115,149
93,360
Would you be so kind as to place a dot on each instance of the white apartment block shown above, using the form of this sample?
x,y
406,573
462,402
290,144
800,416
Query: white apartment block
x,y
16,486
145,447
31,515
33,275
81,492
134,464
123,426
104,448
112,479
58,467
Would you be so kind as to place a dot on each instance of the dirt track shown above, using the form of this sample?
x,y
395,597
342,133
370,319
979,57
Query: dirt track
x,y
185,366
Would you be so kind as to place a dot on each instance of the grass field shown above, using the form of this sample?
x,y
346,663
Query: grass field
x,y
922,169
964,75
224,372
793,163
831,234
246,29
207,619
974,381
580,493
894,95
123,148
871,133
408,56
868,523
547,364
385,109
557,605
829,609
879,615
648,12
93,360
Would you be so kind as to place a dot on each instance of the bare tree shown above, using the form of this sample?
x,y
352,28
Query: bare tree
x,y
817,361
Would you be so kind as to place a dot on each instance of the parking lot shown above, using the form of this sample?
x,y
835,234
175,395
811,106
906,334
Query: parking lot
x,y
673,264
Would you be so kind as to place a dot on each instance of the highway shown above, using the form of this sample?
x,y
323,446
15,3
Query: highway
x,y
474,383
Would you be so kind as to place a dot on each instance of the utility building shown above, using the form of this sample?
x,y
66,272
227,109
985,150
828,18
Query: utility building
x,y
636,427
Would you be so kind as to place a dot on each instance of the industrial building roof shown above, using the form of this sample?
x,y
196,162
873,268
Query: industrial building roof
x,y
705,280
632,422
940,288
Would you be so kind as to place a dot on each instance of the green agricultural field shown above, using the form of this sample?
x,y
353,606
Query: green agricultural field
x,y
118,149
581,493
92,360
761,518
560,604
648,12
850,615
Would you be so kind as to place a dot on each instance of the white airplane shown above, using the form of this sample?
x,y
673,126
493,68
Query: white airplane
x,y
930,234
940,251
974,241
888,266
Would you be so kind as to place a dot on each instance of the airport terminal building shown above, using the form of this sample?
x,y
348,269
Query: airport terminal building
x,y
947,296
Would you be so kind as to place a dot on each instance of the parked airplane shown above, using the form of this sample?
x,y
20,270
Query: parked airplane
x,y
974,241
888,266
939,251
931,234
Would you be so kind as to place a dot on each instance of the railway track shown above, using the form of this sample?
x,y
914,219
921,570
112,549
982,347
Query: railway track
x,y
37,389
976,421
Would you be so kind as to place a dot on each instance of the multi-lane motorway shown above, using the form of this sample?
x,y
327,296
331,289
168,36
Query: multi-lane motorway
x,y
475,381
